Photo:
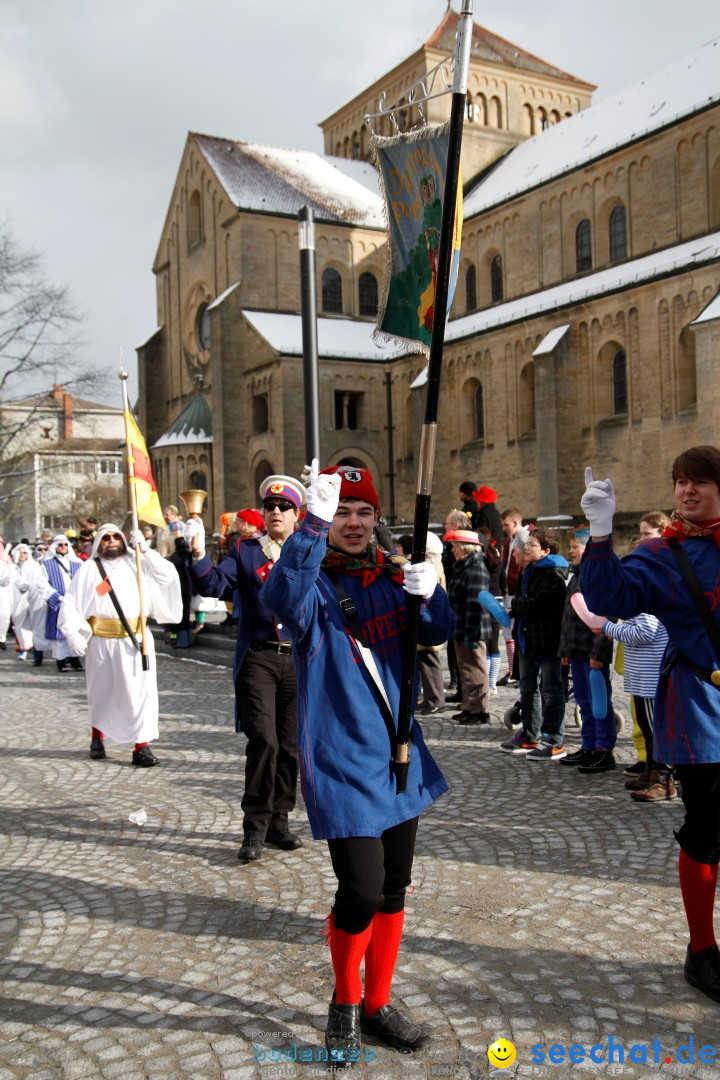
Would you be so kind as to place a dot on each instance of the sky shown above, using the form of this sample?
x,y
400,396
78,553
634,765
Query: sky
x,y
97,98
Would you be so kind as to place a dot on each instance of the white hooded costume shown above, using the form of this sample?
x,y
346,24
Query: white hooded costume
x,y
27,582
122,698
5,593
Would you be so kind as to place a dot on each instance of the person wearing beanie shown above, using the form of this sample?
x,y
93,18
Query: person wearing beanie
x,y
122,696
344,603
264,674
468,503
165,538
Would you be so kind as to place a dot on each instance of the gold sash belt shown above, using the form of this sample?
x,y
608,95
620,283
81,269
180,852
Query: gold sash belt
x,y
112,628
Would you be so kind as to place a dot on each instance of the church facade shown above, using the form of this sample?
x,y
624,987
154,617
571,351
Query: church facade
x,y
584,328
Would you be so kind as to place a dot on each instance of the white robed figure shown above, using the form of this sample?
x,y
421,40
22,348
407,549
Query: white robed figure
x,y
122,698
26,580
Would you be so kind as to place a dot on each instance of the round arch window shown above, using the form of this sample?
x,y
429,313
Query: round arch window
x,y
202,327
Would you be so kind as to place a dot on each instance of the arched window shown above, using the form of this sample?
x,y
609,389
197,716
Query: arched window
x,y
367,293
583,246
479,413
355,146
482,107
528,120
332,292
526,401
495,117
617,231
470,288
715,195
496,280
620,387
198,481
260,414
194,222
542,117
554,117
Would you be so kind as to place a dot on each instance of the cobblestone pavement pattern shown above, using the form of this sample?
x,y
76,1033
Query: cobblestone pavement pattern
x,y
545,907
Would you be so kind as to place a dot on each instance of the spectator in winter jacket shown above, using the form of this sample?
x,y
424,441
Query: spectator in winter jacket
x,y
584,651
474,626
538,608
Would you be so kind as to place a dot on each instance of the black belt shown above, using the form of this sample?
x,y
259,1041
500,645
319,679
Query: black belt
x,y
274,646
712,677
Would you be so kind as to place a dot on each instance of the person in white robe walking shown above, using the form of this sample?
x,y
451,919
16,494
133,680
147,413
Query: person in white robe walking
x,y
26,578
122,698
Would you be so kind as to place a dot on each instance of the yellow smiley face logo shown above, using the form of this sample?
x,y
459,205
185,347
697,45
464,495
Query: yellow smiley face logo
x,y
501,1053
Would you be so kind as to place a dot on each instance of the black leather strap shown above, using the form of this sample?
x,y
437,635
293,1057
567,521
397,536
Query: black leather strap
x,y
347,606
703,608
116,605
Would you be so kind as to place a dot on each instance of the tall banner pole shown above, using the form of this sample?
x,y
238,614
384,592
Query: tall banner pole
x,y
308,298
133,510
428,438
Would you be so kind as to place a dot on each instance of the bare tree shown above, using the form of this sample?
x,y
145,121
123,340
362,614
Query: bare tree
x,y
39,342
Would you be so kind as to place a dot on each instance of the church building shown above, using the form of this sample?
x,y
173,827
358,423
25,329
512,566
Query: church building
x,y
585,327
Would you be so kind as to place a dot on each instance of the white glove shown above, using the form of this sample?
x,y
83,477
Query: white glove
x,y
598,504
22,587
195,528
137,540
420,579
323,494
76,644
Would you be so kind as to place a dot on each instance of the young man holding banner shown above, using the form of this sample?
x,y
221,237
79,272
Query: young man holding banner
x,y
344,604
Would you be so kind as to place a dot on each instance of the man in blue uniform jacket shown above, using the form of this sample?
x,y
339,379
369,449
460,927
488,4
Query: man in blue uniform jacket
x,y
345,748
677,578
265,685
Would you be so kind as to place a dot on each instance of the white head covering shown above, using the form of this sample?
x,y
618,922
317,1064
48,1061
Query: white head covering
x,y
16,552
433,544
69,554
108,527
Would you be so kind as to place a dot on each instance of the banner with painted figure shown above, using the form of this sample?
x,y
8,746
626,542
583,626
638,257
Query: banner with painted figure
x,y
412,172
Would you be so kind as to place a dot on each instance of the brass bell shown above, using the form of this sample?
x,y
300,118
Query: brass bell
x,y
715,678
194,500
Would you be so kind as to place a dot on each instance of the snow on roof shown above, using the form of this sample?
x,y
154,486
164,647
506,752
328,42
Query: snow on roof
x,y
682,88
712,311
193,425
338,338
272,179
698,252
223,296
551,339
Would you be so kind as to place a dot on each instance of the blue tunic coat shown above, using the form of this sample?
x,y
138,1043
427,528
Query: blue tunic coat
x,y
344,749
687,709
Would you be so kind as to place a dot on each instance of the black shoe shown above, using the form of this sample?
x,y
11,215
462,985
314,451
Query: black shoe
x,y
455,698
393,1028
428,710
461,716
474,718
702,970
637,769
283,839
601,761
507,680
75,663
3,645
251,849
580,757
144,757
342,1034
61,665
97,749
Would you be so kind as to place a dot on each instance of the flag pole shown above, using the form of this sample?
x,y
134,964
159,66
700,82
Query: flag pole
x,y
133,510
428,437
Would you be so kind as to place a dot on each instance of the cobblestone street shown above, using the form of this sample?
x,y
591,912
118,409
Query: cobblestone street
x,y
545,907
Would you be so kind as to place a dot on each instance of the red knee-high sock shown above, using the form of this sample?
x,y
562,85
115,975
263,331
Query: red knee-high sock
x,y
697,884
347,951
97,734
381,957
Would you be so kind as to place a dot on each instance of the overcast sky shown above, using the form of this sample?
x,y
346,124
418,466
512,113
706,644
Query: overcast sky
x,y
97,97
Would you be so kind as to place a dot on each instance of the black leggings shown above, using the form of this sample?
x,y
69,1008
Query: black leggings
x,y
699,836
373,873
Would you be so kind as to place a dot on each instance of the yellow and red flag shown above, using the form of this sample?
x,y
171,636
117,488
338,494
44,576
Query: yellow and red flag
x,y
140,474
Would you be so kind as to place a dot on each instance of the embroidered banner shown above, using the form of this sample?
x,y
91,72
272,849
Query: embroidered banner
x,y
412,172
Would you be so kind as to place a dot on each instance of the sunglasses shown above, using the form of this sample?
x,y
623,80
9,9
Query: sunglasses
x,y
61,543
273,505
111,536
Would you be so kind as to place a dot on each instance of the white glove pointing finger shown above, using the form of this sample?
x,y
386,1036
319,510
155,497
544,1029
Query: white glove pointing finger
x,y
420,579
598,504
